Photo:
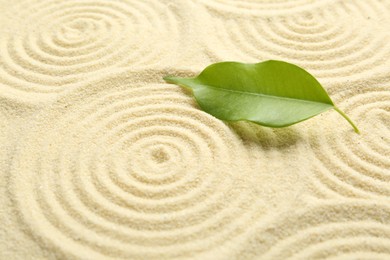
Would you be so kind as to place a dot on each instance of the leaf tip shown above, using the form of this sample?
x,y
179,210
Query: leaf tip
x,y
168,79
172,79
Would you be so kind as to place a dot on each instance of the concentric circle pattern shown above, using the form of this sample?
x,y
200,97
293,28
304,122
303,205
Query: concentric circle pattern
x,y
132,172
351,165
331,230
57,44
314,39
101,159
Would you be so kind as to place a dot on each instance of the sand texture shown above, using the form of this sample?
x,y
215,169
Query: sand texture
x,y
101,159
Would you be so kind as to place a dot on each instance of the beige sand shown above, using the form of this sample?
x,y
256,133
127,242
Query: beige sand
x,y
100,159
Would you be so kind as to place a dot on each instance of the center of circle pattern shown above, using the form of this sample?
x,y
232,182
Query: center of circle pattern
x,y
64,43
131,172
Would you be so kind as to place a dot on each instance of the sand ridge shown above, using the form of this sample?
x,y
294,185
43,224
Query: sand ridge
x,y
101,159
349,166
327,230
318,40
69,42
132,172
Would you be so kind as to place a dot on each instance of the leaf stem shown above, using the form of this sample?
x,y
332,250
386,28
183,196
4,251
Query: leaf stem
x,y
348,119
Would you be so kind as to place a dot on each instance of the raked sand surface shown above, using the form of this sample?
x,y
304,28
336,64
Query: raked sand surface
x,y
100,159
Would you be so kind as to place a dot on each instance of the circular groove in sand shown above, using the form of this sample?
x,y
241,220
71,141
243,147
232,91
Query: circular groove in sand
x,y
61,44
353,165
141,172
315,40
327,230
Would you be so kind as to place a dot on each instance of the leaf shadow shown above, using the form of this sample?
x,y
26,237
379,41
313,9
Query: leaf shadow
x,y
268,138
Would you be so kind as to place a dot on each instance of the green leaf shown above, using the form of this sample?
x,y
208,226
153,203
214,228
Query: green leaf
x,y
271,93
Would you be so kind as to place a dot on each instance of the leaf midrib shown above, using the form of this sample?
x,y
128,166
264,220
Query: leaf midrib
x,y
266,96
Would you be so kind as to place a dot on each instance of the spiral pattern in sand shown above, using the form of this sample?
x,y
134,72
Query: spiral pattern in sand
x,y
56,44
132,172
332,230
349,164
316,40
